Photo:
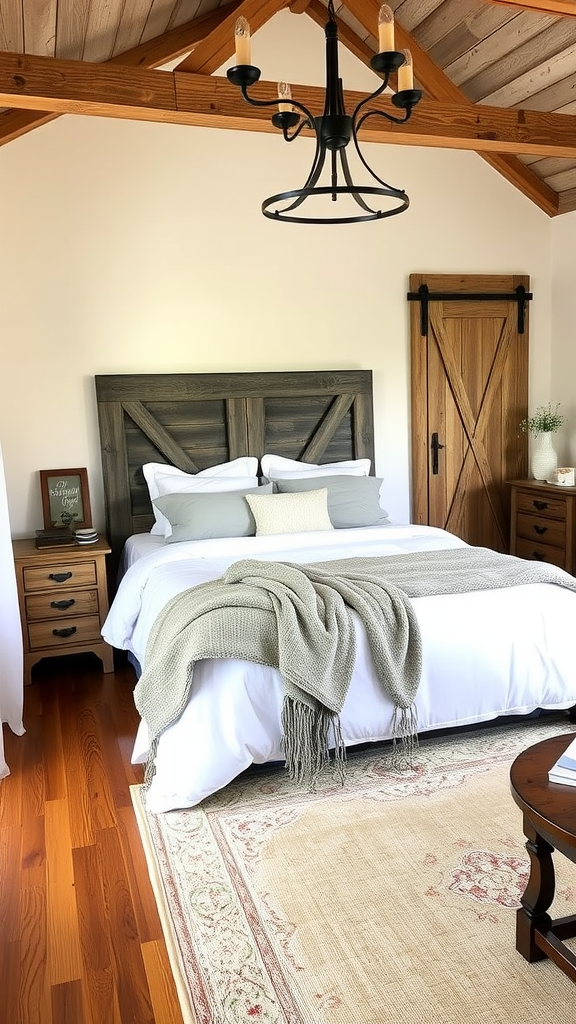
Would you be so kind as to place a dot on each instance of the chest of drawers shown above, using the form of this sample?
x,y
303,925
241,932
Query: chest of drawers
x,y
543,523
63,598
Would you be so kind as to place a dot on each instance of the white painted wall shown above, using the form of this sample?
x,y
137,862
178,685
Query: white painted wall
x,y
129,247
563,380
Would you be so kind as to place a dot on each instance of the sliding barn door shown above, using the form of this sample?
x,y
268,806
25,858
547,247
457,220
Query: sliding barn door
x,y
469,374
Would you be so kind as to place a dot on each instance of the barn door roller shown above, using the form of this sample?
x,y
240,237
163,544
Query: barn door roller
x,y
424,296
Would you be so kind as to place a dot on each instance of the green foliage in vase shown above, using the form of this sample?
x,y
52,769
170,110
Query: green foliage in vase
x,y
546,420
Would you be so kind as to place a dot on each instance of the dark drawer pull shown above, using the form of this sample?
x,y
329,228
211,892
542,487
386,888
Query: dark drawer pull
x,y
540,505
60,577
538,556
64,632
62,605
540,529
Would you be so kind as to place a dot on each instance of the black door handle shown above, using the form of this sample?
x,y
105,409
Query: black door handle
x,y
435,446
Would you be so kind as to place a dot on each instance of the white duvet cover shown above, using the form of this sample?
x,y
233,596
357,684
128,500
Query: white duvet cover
x,y
485,654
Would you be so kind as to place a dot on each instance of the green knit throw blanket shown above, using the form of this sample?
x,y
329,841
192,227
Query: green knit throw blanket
x,y
297,619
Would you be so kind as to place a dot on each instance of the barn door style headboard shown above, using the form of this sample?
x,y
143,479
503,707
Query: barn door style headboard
x,y
196,420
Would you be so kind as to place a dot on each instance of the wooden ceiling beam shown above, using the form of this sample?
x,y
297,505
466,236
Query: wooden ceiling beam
x,y
562,8
152,54
77,87
438,86
217,47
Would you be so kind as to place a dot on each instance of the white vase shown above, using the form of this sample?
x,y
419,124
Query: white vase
x,y
543,458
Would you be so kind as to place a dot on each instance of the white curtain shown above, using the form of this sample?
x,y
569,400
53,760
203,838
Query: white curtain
x,y
11,655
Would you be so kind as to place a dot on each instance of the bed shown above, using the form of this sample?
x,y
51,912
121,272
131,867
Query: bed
x,y
485,654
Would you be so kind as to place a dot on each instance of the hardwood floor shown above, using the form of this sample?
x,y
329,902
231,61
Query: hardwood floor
x,y
80,937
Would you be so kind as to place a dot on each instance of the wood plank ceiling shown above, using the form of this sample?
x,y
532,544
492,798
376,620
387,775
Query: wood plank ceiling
x,y
498,77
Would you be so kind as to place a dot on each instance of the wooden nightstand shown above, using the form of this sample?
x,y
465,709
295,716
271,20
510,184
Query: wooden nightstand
x,y
63,599
543,523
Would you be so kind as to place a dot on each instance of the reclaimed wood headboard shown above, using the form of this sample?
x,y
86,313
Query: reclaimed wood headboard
x,y
197,420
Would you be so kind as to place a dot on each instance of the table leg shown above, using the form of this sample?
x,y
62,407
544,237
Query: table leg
x,y
532,916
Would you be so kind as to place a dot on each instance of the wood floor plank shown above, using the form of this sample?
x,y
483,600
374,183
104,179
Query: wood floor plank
x,y
32,767
79,809
54,765
118,690
132,985
10,852
161,982
64,955
70,890
11,793
71,705
33,863
94,935
147,917
102,810
115,771
67,1003
35,997
10,960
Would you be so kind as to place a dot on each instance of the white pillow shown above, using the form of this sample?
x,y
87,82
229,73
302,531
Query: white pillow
x,y
290,513
276,467
164,479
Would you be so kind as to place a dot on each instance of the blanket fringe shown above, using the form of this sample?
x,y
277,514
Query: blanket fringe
x,y
404,737
150,768
307,735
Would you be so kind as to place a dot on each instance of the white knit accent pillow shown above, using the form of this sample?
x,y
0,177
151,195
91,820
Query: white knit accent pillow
x,y
290,513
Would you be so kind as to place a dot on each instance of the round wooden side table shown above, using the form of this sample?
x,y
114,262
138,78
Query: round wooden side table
x,y
549,811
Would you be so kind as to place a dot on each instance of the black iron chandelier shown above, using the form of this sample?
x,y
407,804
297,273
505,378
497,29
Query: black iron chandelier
x,y
334,128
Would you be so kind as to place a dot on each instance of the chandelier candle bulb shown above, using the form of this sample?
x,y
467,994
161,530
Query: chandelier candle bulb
x,y
406,73
385,29
285,94
242,42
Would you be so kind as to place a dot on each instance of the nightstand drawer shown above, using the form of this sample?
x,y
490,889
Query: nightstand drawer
x,y
75,574
541,552
541,505
539,530
64,603
63,632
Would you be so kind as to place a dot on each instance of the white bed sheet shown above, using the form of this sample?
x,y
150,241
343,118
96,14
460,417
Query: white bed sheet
x,y
485,654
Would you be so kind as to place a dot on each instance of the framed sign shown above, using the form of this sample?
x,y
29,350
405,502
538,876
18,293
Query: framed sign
x,y
65,498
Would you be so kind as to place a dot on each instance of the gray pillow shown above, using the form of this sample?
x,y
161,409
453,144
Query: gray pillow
x,y
352,500
204,516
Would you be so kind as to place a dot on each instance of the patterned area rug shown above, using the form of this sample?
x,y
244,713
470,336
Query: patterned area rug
x,y
392,898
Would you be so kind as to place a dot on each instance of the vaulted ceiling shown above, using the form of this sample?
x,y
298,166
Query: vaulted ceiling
x,y
497,77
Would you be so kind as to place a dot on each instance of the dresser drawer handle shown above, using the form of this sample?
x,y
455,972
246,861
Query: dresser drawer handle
x,y
540,505
540,529
60,577
538,556
62,605
64,632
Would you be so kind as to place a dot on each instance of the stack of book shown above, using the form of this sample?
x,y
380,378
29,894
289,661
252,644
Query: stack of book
x,y
57,538
564,770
